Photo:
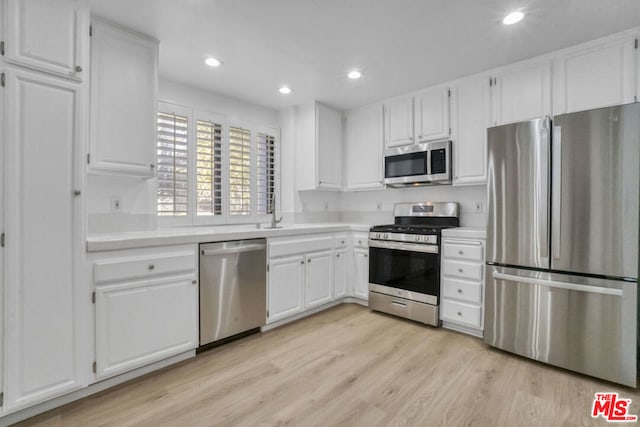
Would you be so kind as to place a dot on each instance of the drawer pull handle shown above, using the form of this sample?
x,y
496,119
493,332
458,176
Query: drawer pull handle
x,y
459,270
342,242
193,282
301,262
459,291
399,304
338,255
459,313
151,266
461,252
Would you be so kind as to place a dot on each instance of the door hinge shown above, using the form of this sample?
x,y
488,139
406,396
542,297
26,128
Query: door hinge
x,y
490,81
93,297
94,367
449,93
267,268
2,80
88,158
2,240
2,47
635,45
90,30
449,131
2,399
267,314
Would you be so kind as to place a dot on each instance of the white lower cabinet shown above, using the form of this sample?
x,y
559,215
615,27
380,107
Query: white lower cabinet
x,y
361,273
462,285
340,273
319,279
286,275
146,307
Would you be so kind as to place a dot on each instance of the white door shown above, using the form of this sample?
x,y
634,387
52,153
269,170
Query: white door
x,y
432,115
398,122
364,142
521,93
470,119
44,133
123,101
319,278
47,35
361,279
286,283
340,273
139,323
594,77
329,147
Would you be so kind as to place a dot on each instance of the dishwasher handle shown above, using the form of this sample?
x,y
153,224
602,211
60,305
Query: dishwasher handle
x,y
234,250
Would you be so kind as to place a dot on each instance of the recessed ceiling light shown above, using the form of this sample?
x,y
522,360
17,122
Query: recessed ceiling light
x,y
513,18
212,62
285,90
355,74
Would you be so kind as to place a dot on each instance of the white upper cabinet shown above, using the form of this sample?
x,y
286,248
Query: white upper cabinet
x,y
470,117
522,92
432,114
318,148
42,297
50,36
364,141
124,82
398,116
596,75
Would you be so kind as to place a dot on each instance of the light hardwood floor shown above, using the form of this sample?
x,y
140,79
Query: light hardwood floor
x,y
347,366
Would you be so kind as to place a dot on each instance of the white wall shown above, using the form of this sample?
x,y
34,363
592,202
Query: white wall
x,y
138,203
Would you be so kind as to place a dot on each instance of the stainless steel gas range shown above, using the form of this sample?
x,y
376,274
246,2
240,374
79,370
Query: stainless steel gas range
x,y
404,260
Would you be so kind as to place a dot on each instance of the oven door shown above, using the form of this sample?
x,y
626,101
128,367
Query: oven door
x,y
406,270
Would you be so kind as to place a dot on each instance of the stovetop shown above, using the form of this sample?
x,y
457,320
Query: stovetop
x,y
410,229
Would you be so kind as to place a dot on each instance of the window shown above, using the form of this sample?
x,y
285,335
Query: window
x,y
209,172
172,164
208,168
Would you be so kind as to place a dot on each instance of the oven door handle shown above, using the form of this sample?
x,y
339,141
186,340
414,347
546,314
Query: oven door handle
x,y
398,246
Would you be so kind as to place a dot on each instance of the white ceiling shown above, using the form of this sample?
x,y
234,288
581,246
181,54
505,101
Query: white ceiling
x,y
400,45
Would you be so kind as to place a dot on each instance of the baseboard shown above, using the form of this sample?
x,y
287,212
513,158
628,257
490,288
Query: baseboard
x,y
314,310
464,329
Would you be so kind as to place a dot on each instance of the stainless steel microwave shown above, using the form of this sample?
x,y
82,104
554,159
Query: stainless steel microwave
x,y
428,163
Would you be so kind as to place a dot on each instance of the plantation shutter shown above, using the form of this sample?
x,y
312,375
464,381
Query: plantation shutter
x,y
265,151
172,164
239,171
209,168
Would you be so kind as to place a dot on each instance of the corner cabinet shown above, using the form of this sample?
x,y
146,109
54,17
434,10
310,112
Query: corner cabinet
x,y
364,141
49,36
360,273
146,307
124,86
470,117
43,133
318,148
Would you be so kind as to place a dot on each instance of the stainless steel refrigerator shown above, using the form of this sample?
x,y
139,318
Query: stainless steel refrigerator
x,y
562,241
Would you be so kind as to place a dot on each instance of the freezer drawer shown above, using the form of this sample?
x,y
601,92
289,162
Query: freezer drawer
x,y
583,324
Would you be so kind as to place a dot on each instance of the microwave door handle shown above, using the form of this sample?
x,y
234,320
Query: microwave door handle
x,y
427,169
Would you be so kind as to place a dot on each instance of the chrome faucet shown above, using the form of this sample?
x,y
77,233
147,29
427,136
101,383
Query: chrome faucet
x,y
274,222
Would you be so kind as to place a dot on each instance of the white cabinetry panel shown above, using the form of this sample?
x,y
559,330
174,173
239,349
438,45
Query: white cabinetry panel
x,y
47,35
340,273
432,114
319,278
43,217
364,142
124,81
398,122
361,273
597,76
139,323
329,141
522,93
286,283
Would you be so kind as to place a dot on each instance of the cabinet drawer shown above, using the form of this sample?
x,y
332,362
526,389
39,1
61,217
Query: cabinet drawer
x,y
460,312
341,241
461,290
144,266
462,269
361,240
470,251
283,247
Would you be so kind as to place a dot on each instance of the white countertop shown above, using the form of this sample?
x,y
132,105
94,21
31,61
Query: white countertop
x,y
465,232
203,234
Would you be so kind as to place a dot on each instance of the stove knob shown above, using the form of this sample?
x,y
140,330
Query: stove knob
x,y
386,236
417,238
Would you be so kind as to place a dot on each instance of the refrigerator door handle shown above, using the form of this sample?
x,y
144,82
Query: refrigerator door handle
x,y
556,284
542,193
556,192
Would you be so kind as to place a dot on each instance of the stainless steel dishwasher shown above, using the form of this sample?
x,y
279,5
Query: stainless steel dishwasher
x,y
233,288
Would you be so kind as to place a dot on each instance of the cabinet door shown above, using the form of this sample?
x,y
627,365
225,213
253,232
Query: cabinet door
x,y
123,101
398,122
594,77
432,115
329,147
361,280
43,138
142,322
470,121
286,283
340,273
47,35
364,148
319,278
523,93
